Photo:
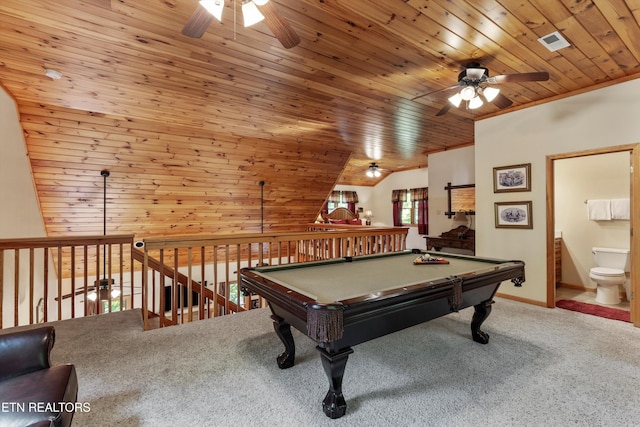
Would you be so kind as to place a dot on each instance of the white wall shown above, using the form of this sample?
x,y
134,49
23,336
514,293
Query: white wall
x,y
601,118
20,214
576,182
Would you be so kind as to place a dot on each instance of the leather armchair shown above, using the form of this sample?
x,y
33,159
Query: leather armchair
x,y
32,392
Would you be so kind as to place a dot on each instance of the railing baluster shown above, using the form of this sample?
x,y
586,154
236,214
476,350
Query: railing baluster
x,y
16,285
31,285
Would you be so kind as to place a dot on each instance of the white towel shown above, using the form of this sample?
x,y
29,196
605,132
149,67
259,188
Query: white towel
x,y
620,209
599,210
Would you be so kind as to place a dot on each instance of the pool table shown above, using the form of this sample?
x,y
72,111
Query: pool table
x,y
343,302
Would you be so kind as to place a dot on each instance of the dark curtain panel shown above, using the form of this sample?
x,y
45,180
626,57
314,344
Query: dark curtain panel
x,y
421,195
423,217
397,198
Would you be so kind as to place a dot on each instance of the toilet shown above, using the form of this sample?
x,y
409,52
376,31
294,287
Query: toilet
x,y
610,272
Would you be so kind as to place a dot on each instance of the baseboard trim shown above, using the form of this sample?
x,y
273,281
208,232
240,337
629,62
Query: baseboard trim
x,y
576,287
524,300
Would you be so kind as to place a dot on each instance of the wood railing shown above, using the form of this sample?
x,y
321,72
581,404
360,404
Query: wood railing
x,y
216,261
175,280
46,279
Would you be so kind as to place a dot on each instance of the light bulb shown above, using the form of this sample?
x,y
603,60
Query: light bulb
x,y
468,93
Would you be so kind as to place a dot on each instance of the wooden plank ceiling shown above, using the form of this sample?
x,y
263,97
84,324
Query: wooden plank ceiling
x,y
188,128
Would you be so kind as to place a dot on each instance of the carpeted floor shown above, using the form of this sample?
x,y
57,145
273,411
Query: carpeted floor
x,y
542,367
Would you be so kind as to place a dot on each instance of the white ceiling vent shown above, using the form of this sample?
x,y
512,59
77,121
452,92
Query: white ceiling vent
x,y
554,41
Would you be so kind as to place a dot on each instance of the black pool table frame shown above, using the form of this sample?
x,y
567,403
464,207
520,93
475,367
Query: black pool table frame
x,y
336,327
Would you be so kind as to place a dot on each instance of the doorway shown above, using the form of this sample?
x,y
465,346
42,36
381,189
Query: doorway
x,y
581,237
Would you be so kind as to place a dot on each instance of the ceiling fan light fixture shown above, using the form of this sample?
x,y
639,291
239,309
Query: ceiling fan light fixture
x,y
373,171
214,7
104,294
261,2
250,13
456,100
475,103
490,93
468,93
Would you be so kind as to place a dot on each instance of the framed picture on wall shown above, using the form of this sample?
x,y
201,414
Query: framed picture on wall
x,y
512,178
513,215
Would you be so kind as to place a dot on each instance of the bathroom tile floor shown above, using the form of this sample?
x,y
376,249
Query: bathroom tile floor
x,y
586,296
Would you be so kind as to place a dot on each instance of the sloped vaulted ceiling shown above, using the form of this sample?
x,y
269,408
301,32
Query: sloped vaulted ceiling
x,y
189,127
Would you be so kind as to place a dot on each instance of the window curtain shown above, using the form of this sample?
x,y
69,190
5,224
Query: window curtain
x,y
421,195
397,199
334,197
348,197
351,198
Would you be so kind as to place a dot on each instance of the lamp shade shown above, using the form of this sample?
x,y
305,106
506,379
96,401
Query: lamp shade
x,y
456,100
490,93
214,7
250,13
475,103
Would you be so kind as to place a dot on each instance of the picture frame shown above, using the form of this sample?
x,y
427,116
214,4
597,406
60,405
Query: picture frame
x,y
514,214
512,178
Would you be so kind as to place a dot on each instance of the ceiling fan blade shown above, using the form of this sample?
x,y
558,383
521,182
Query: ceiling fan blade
x,y
444,109
456,86
78,291
502,101
279,26
539,76
198,23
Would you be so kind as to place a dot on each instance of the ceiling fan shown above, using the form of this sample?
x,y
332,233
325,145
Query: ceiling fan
x,y
373,171
100,288
253,11
474,88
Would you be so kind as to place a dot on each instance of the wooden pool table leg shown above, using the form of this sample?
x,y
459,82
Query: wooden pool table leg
x,y
283,330
334,405
481,313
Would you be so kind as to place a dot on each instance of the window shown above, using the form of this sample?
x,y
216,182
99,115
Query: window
x,y
409,210
410,207
115,304
342,199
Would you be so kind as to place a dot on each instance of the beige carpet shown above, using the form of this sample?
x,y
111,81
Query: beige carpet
x,y
542,367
